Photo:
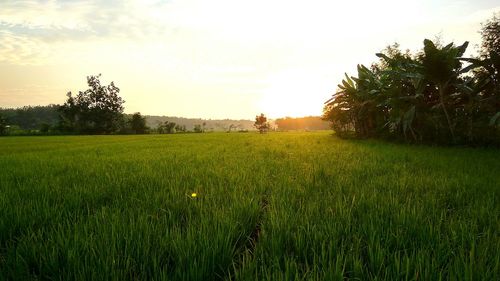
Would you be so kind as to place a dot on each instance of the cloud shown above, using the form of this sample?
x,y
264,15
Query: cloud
x,y
21,49
31,31
78,19
270,29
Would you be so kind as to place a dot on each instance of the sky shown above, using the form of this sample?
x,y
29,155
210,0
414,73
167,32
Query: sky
x,y
214,58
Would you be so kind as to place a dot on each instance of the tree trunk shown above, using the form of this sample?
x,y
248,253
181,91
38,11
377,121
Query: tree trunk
x,y
441,99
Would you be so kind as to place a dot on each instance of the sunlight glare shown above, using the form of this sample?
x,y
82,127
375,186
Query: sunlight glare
x,y
294,94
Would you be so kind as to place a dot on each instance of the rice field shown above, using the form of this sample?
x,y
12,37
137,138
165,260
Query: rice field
x,y
277,206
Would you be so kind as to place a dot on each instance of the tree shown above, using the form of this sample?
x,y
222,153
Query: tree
x,y
138,123
97,110
32,117
487,78
180,128
261,123
167,128
3,126
197,128
490,33
170,127
441,66
231,126
490,60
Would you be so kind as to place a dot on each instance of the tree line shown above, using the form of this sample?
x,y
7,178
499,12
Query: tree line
x,y
433,96
31,117
301,123
97,110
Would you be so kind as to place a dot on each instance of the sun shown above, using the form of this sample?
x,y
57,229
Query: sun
x,y
294,94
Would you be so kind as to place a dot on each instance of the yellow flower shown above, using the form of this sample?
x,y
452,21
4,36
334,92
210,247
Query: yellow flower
x,y
193,194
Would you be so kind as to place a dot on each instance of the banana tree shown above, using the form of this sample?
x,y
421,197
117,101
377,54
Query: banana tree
x,y
442,67
341,109
369,89
354,104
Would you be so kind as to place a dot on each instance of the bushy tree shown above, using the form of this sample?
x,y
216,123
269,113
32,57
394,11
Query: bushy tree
x,y
97,110
138,123
167,128
487,76
261,123
490,34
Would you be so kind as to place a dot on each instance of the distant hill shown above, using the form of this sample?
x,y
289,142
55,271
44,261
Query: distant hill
x,y
210,124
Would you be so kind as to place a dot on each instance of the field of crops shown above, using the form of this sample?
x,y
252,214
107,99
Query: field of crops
x,y
277,206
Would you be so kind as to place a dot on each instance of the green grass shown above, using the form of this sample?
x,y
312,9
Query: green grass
x,y
279,206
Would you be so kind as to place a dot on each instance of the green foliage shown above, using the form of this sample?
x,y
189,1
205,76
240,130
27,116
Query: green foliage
x,y
198,128
490,33
45,128
3,126
138,123
32,117
119,208
166,128
97,110
261,123
429,97
180,128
